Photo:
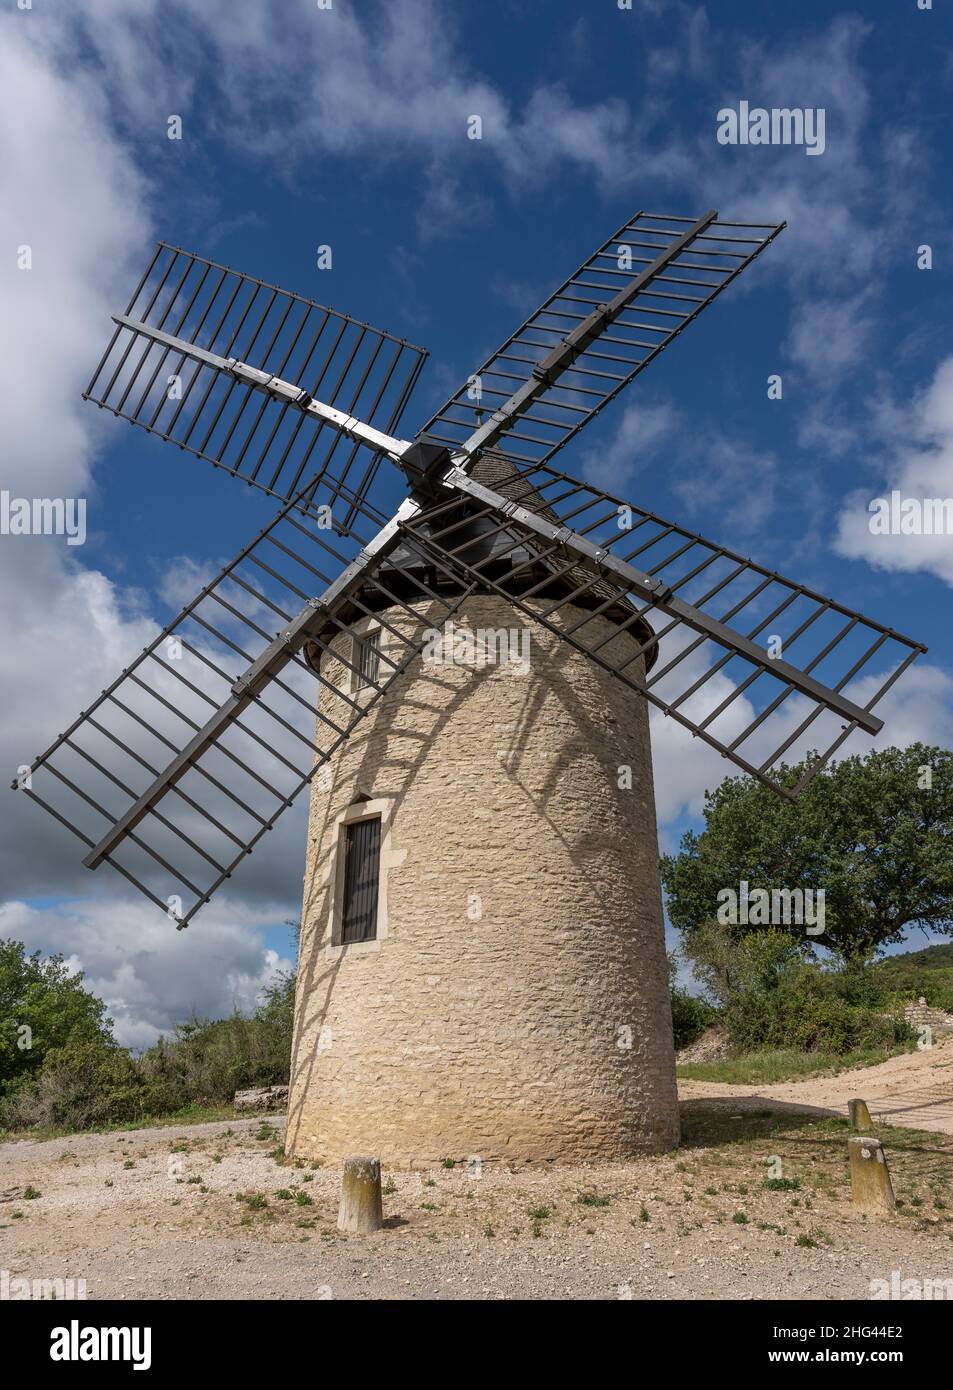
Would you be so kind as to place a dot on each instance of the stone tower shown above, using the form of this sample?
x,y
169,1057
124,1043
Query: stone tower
x,y
512,1003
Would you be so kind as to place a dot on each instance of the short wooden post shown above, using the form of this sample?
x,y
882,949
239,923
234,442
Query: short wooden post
x,y
859,1116
870,1184
361,1209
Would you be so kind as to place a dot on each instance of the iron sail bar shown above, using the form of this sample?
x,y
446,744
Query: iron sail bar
x,y
604,325
180,768
185,302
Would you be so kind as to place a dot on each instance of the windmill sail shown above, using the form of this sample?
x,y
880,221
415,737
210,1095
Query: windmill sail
x,y
176,772
759,667
596,333
195,403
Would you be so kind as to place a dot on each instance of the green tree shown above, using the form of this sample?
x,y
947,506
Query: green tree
x,y
726,965
43,1007
868,831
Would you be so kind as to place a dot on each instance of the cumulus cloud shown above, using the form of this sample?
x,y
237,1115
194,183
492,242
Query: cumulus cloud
x,y
921,468
735,480
70,191
151,976
685,767
847,212
829,337
335,81
72,195
641,431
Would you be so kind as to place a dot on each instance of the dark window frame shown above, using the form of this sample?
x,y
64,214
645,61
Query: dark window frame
x,y
360,868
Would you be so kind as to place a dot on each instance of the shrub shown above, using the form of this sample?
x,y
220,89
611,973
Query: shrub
x,y
691,1015
40,999
76,1076
207,1062
812,1010
82,1086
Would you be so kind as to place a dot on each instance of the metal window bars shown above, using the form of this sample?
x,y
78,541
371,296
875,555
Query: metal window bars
x,y
268,442
181,766
604,325
761,668
362,849
369,659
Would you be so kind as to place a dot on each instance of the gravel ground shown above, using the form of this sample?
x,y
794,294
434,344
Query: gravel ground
x,y
195,1212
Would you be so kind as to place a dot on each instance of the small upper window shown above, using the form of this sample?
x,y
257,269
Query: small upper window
x,y
368,659
362,869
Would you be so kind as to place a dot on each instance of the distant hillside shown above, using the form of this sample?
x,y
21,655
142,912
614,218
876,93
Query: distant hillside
x,y
928,972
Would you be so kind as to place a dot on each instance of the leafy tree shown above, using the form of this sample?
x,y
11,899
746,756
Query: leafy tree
x,y
867,831
727,965
43,1007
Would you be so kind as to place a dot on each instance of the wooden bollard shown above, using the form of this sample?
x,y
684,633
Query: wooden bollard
x,y
361,1209
870,1185
859,1116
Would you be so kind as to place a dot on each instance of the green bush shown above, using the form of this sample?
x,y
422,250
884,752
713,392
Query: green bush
x,y
928,972
774,998
43,1008
813,1010
76,1076
207,1062
82,1086
691,1015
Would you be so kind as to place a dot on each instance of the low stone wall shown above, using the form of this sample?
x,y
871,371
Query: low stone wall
x,y
920,1015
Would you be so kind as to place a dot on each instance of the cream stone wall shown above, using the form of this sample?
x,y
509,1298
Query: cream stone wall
x,y
515,1007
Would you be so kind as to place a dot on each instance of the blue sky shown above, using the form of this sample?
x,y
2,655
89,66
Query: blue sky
x,y
348,127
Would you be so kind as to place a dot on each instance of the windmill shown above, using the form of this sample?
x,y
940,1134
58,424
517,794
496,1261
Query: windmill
x,y
482,966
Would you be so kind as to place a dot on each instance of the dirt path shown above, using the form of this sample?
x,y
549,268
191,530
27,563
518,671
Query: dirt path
x,y
914,1090
212,1211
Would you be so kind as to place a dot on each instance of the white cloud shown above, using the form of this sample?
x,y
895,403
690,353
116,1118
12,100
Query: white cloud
x,y
151,976
735,481
922,467
829,337
830,239
638,436
731,479
70,189
73,195
684,767
918,709
183,578
391,81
